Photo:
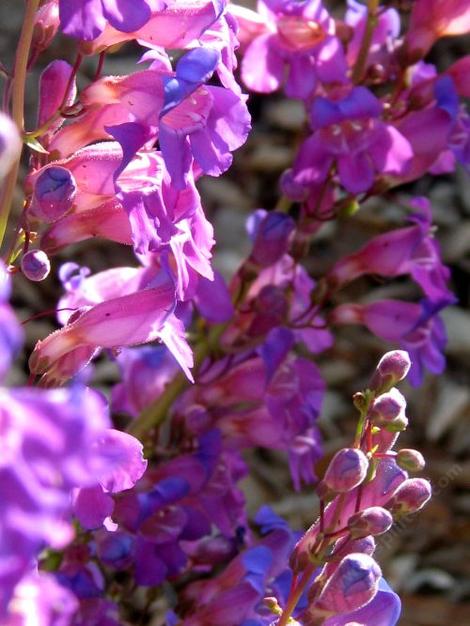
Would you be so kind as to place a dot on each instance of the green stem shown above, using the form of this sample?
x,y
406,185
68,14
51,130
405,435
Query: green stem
x,y
17,107
360,66
295,594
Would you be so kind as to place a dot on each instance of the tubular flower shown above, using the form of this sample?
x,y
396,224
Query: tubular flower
x,y
348,133
129,318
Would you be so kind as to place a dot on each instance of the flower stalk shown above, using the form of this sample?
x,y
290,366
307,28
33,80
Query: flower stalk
x,y
17,107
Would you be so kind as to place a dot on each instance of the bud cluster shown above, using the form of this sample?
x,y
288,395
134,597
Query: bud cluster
x,y
363,491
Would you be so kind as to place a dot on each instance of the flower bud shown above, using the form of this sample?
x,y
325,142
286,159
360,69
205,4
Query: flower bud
x,y
54,193
388,408
372,521
392,368
346,545
35,265
353,584
346,470
10,144
46,25
410,460
272,238
410,497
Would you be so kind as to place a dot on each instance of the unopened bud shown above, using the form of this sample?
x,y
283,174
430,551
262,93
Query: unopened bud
x,y
388,408
54,193
347,469
353,584
372,521
10,144
410,497
365,545
392,368
272,238
46,25
35,265
410,460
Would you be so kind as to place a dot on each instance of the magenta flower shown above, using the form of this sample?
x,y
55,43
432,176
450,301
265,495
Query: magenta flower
x,y
411,250
415,327
86,19
118,314
180,25
432,19
349,134
297,36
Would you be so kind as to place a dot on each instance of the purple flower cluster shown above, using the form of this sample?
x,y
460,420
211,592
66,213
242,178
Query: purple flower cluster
x,y
89,533
56,445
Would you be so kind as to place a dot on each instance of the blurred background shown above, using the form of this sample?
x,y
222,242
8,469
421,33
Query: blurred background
x,y
426,558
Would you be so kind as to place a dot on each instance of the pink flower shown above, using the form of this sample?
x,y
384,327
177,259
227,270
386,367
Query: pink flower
x,y
432,19
131,317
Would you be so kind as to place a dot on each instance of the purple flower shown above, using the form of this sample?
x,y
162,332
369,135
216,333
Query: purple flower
x,y
415,327
299,37
383,610
35,265
86,19
411,250
347,469
50,447
271,234
201,122
352,585
11,333
144,374
54,192
40,595
349,133
212,299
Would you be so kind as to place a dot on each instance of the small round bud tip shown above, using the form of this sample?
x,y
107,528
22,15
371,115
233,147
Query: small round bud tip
x,y
410,497
35,265
374,521
392,367
54,193
410,460
347,469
